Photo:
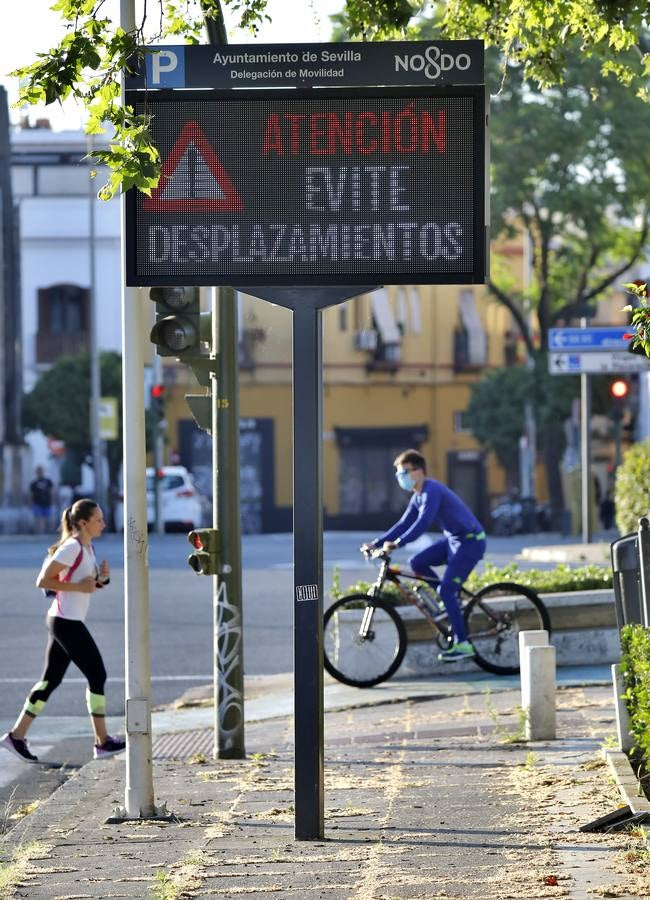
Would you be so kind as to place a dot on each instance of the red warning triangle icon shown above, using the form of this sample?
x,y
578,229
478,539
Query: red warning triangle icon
x,y
192,178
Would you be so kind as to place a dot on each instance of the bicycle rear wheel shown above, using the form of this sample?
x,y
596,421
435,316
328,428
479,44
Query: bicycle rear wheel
x,y
494,618
357,659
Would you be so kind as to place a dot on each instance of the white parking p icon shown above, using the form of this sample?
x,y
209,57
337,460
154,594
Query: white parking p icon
x,y
163,61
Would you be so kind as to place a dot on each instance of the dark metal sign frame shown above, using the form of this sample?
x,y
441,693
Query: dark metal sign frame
x,y
472,270
307,303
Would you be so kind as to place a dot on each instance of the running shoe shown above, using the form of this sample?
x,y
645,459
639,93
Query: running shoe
x,y
18,747
458,651
110,747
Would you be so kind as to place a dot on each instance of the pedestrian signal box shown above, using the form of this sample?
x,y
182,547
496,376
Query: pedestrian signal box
x,y
362,186
205,559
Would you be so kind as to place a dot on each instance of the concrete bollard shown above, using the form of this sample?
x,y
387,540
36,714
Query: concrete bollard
x,y
625,741
536,638
538,693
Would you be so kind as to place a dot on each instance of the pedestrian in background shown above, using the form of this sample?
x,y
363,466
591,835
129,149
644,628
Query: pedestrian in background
x,y
41,497
607,511
70,576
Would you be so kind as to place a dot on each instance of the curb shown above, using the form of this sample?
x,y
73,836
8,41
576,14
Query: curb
x,y
82,784
628,785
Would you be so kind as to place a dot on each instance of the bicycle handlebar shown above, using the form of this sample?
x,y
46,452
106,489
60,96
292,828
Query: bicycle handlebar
x,y
374,553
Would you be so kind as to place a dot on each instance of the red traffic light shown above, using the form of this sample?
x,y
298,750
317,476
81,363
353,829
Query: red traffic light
x,y
158,390
195,540
619,389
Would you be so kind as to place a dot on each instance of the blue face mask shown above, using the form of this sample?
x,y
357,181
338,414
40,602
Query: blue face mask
x,y
404,480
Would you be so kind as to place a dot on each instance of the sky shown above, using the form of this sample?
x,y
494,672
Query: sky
x,y
38,29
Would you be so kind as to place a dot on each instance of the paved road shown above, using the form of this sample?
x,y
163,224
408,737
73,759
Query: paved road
x,y
181,616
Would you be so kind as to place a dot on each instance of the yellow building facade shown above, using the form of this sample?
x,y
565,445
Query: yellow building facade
x,y
398,368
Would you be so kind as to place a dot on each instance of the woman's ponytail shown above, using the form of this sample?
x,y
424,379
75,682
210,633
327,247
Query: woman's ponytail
x,y
70,517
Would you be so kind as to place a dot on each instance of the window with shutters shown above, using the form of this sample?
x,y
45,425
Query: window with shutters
x,y
63,321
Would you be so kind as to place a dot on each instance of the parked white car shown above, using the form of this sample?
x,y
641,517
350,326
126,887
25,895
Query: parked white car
x,y
182,504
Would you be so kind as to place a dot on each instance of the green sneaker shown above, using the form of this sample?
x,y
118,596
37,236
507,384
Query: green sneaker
x,y
461,650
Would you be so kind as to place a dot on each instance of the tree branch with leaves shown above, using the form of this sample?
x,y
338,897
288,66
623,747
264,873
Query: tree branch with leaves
x,y
87,63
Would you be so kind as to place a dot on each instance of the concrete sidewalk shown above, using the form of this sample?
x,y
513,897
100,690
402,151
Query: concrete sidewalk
x,y
427,796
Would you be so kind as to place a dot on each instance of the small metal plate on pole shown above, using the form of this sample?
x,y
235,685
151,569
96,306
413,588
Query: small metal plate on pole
x,y
201,408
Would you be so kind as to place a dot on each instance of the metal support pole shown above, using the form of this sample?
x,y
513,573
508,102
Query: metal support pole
x,y
158,448
308,571
531,436
585,451
139,794
95,368
227,585
585,456
618,429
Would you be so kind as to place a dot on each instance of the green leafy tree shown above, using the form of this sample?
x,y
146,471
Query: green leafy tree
x,y
87,62
536,34
496,413
59,405
632,487
567,165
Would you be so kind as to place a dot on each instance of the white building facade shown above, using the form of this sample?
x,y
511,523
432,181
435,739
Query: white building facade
x,y
58,214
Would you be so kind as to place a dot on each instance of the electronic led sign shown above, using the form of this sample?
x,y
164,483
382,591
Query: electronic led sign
x,y
321,187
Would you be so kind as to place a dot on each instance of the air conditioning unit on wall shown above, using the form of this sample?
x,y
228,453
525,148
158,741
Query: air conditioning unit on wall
x,y
366,339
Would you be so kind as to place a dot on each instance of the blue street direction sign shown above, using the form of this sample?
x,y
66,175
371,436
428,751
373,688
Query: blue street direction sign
x,y
591,363
587,340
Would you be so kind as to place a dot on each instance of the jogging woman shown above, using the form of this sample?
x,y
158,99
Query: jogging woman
x,y
70,576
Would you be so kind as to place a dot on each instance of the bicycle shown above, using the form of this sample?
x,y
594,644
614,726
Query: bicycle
x,y
365,638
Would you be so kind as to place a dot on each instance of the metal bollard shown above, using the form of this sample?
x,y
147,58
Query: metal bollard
x,y
537,638
644,568
538,697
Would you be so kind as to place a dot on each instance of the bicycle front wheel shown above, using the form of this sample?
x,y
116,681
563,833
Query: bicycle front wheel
x,y
364,640
494,618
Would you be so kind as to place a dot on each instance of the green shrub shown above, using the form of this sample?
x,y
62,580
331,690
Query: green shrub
x,y
632,488
561,579
635,668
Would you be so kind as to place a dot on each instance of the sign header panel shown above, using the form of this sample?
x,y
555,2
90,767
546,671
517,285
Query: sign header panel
x,y
310,65
285,187
586,340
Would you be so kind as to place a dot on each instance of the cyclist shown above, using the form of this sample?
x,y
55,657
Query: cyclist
x,y
461,548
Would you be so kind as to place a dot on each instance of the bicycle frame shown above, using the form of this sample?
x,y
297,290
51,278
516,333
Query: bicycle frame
x,y
388,574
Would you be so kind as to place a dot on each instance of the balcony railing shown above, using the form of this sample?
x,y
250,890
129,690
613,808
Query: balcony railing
x,y
386,358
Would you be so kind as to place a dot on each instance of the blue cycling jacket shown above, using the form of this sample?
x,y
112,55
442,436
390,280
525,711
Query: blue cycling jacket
x,y
436,505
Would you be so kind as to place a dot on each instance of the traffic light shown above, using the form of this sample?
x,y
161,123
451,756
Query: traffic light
x,y
158,401
205,559
619,390
181,328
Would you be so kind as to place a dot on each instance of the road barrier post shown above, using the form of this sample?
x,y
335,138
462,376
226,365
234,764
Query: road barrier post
x,y
539,699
